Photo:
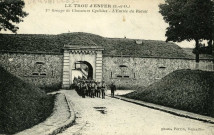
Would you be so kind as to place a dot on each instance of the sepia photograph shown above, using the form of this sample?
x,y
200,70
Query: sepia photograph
x,y
107,67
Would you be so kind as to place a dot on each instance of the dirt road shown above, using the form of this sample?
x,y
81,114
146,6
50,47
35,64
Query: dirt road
x,y
115,117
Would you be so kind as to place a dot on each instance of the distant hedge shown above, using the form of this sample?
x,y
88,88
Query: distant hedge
x,y
22,105
190,90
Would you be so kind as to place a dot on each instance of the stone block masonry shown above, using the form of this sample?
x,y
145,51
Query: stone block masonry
x,y
131,73
46,70
90,55
66,70
99,66
40,69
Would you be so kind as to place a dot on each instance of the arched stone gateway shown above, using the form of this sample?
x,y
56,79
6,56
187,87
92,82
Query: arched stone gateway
x,y
83,67
92,56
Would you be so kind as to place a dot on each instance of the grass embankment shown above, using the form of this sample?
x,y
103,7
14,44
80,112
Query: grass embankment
x,y
112,46
22,105
190,90
51,88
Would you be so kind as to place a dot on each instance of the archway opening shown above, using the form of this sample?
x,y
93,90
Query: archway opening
x,y
82,69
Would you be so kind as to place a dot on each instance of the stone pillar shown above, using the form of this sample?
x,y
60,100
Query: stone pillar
x,y
66,70
99,66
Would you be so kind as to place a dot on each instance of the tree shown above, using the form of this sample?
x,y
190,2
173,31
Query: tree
x,y
11,12
211,42
188,20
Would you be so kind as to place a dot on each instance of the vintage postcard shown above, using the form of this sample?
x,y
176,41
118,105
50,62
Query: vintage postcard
x,y
106,67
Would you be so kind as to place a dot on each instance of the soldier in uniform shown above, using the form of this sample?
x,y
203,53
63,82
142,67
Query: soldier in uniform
x,y
99,86
75,82
103,89
93,89
96,90
89,88
113,89
80,87
84,89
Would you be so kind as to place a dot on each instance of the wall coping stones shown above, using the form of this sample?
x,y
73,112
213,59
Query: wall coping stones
x,y
104,55
78,47
155,57
30,52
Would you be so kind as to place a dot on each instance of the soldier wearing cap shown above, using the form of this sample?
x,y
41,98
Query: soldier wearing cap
x,y
78,87
103,89
113,89
89,88
99,86
93,89
96,90
84,88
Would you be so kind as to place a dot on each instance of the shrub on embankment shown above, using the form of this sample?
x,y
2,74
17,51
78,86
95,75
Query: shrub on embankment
x,y
190,90
51,88
22,105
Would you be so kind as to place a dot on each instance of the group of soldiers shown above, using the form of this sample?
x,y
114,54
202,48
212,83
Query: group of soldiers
x,y
90,88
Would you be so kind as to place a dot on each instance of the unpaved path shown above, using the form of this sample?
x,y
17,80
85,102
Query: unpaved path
x,y
115,117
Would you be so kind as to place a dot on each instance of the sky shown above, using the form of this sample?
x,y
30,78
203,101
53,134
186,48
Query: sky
x,y
137,19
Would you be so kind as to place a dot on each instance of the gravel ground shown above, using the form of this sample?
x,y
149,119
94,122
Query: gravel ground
x,y
115,117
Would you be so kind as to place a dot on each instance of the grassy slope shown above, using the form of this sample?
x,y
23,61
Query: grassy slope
x,y
192,55
113,46
22,105
147,48
183,89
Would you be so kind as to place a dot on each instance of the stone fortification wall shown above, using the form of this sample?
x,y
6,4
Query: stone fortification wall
x,y
39,69
129,72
